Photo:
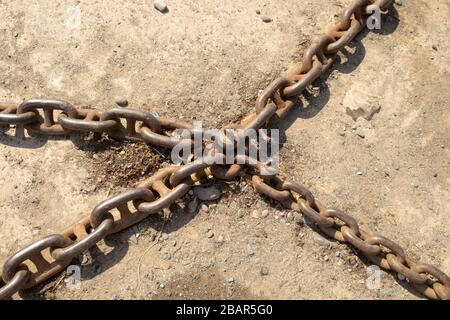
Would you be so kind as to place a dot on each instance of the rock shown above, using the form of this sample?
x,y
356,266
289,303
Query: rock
x,y
255,214
265,214
399,2
122,102
266,19
204,208
230,280
360,133
210,234
250,251
322,241
165,236
341,132
264,271
207,193
396,166
401,277
258,12
220,240
359,173
434,47
299,220
161,6
359,104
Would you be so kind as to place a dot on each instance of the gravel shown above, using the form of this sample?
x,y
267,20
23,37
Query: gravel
x,y
161,6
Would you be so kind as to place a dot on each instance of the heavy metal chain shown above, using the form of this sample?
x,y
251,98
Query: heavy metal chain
x,y
54,253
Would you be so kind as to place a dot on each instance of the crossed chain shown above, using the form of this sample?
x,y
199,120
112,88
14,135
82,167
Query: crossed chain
x,y
54,253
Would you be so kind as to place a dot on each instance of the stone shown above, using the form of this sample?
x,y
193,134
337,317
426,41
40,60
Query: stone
x,y
210,234
322,241
398,2
264,213
341,132
207,193
359,104
122,102
161,6
266,19
255,214
360,133
192,206
290,216
264,271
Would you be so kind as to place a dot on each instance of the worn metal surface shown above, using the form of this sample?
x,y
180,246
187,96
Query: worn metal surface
x,y
54,253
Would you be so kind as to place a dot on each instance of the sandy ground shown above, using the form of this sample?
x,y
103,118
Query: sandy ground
x,y
208,60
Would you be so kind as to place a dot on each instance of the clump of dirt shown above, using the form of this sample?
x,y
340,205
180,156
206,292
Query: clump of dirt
x,y
122,163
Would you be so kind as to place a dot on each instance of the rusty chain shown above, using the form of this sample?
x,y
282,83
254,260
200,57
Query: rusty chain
x,y
54,253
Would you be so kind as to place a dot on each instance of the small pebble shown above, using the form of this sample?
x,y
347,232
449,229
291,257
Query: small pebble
x,y
341,132
399,2
264,271
230,280
160,6
266,19
204,208
359,173
210,234
434,47
165,236
255,214
207,193
264,214
122,102
258,12
192,206
250,251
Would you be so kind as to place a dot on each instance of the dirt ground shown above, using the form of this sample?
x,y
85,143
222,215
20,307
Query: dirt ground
x,y
207,60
